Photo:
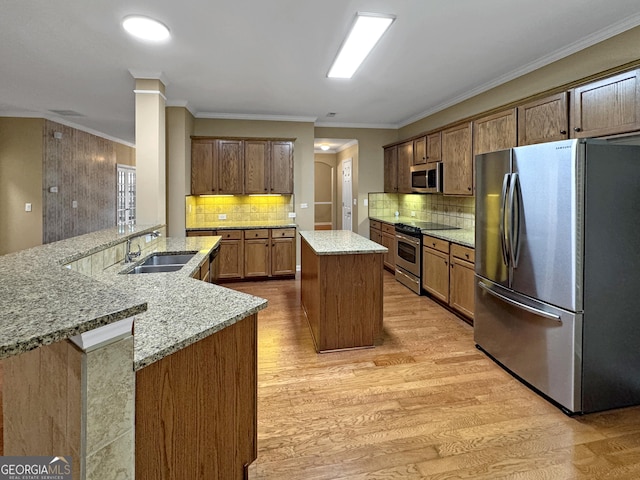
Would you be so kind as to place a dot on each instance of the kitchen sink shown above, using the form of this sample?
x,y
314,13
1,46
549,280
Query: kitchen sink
x,y
168,259
163,262
155,268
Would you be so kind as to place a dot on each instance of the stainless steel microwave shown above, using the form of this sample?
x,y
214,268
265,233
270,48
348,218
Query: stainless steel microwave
x,y
426,178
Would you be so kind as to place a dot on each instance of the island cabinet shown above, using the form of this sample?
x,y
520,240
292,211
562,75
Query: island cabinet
x,y
341,289
606,107
196,409
544,120
457,159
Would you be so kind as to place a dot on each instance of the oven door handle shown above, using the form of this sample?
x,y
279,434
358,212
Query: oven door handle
x,y
411,240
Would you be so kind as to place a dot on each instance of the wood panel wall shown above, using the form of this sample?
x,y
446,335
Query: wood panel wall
x,y
83,167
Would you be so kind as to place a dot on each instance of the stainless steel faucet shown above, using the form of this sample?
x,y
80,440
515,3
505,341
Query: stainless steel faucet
x,y
129,256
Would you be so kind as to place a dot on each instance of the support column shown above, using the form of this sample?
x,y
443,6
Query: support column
x,y
151,190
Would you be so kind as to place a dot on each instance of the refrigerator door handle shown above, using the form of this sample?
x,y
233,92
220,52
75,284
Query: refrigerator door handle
x,y
503,228
514,219
515,303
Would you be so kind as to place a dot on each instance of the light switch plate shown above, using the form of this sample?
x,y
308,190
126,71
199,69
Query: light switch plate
x,y
365,202
74,204
292,214
27,207
304,205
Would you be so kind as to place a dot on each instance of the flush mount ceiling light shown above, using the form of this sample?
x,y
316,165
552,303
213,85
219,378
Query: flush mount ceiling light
x,y
324,147
146,28
363,36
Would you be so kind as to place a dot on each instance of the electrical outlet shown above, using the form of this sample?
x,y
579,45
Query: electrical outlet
x,y
74,204
413,214
27,207
292,214
222,216
304,205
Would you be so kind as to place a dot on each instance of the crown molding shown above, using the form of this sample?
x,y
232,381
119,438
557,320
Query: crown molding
x,y
180,103
149,75
252,116
381,126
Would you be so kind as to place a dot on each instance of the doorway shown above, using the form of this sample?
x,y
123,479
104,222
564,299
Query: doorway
x,y
347,194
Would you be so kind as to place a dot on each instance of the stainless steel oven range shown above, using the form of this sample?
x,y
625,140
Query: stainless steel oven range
x,y
409,252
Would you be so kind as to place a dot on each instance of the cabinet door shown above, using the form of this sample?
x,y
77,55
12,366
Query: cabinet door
x,y
606,107
405,161
202,167
544,120
281,171
230,166
391,169
389,259
231,255
435,273
495,132
256,166
457,160
283,256
256,257
420,150
462,287
434,147
375,236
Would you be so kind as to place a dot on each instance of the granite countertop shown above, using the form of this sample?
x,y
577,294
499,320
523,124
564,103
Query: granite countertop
x,y
461,236
180,310
340,242
224,225
42,302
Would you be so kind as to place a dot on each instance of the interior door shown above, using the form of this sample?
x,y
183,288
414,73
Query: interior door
x,y
347,194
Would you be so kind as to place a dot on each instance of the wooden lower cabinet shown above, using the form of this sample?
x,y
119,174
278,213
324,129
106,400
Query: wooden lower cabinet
x,y
231,255
256,253
448,274
389,241
196,409
283,256
435,268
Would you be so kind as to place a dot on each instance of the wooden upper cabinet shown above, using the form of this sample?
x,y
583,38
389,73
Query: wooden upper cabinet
x,y
405,161
230,160
281,169
256,166
606,107
202,168
420,150
544,120
495,132
457,160
391,169
434,147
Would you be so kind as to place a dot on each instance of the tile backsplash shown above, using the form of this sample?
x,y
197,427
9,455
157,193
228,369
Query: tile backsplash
x,y
455,211
202,211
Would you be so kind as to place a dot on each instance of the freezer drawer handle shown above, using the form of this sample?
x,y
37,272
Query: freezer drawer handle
x,y
535,311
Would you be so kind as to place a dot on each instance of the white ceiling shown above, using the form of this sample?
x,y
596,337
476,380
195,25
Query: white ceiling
x,y
269,59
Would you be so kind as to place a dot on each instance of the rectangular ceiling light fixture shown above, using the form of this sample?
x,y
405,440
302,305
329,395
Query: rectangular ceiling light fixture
x,y
365,32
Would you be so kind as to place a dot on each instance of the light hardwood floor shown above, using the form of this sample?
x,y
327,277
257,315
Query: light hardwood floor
x,y
425,404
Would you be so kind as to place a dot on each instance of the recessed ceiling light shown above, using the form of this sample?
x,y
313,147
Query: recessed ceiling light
x,y
146,28
363,36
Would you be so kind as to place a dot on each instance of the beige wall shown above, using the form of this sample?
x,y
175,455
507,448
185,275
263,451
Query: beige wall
x,y
125,155
619,50
179,128
20,183
368,171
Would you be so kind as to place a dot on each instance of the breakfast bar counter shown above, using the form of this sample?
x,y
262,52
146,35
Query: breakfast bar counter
x,y
341,289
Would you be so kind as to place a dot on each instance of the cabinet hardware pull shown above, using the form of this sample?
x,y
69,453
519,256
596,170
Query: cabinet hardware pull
x,y
577,129
563,132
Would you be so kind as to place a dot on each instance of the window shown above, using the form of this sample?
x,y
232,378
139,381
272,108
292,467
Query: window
x,y
126,196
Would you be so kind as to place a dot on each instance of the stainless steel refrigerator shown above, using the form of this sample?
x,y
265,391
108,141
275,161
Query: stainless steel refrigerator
x,y
558,269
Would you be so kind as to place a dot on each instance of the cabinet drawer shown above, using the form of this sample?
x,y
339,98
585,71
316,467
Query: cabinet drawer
x,y
388,228
283,233
230,234
374,224
464,253
258,233
435,243
200,233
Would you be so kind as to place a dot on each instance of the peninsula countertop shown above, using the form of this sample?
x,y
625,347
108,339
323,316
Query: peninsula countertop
x,y
340,242
42,302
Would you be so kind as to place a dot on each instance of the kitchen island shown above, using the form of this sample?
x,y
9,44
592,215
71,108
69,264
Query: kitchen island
x,y
126,399
341,289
